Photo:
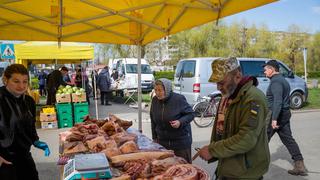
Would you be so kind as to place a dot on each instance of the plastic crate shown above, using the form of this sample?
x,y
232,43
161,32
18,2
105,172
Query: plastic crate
x,y
65,108
64,124
64,112
79,118
81,107
80,110
65,121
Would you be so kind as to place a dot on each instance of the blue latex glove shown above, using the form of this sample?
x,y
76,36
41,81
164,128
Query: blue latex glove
x,y
43,146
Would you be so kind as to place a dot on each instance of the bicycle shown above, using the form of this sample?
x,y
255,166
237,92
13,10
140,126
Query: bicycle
x,y
205,110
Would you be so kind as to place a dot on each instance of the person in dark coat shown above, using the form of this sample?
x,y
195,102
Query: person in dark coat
x,y
104,83
94,78
170,119
115,77
78,79
115,74
17,127
42,77
55,79
278,96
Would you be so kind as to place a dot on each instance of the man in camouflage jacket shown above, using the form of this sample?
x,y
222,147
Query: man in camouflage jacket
x,y
239,138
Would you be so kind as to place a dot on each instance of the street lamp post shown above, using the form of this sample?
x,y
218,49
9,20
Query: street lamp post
x,y
305,63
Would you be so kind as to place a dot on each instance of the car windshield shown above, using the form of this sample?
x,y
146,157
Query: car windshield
x,y
132,68
187,68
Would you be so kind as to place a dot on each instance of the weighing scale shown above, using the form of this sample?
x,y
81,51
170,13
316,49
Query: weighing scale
x,y
87,166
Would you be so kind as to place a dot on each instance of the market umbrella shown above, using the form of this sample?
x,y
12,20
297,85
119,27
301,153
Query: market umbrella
x,y
135,22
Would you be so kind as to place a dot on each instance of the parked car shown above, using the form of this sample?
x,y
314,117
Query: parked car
x,y
191,79
192,75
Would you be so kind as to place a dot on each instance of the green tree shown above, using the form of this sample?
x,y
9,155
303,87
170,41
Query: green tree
x,y
290,46
199,40
155,52
179,46
236,41
218,47
261,42
314,53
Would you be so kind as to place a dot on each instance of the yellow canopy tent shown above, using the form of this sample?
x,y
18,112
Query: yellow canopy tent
x,y
50,53
113,21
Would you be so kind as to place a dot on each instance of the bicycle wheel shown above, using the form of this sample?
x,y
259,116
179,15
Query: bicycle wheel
x,y
204,114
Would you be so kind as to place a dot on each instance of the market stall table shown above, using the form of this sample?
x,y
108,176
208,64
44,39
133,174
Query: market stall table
x,y
131,154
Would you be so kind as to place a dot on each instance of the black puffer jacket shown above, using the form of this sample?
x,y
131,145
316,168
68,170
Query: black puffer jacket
x,y
104,81
55,79
21,110
173,107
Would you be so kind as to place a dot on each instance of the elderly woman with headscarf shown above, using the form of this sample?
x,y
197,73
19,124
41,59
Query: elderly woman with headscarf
x,y
170,119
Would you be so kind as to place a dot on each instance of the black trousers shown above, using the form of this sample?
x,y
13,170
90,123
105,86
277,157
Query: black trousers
x,y
51,97
23,167
42,90
285,134
105,97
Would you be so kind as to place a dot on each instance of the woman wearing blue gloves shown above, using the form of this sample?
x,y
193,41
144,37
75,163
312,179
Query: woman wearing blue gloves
x,y
17,127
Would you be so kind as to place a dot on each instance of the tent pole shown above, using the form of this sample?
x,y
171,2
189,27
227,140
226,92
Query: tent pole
x,y
83,72
139,89
95,89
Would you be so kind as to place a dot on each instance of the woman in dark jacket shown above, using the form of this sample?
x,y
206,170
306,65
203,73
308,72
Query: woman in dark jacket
x,y
170,119
17,127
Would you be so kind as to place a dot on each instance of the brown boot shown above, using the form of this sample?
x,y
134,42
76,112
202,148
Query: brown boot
x,y
299,169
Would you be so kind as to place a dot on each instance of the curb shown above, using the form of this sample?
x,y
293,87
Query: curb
x,y
305,111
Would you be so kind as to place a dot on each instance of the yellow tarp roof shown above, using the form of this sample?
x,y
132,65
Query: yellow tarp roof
x,y
110,21
49,52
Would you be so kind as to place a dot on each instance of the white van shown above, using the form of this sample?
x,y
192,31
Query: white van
x,y
127,68
192,75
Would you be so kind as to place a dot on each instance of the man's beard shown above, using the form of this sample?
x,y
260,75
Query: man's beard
x,y
230,89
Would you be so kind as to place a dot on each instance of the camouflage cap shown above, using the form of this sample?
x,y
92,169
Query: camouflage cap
x,y
221,67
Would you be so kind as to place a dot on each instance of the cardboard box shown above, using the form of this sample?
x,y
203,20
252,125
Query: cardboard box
x,y
66,98
49,125
48,117
79,98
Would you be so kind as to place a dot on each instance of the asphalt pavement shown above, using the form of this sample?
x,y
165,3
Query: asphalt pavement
x,y
305,126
